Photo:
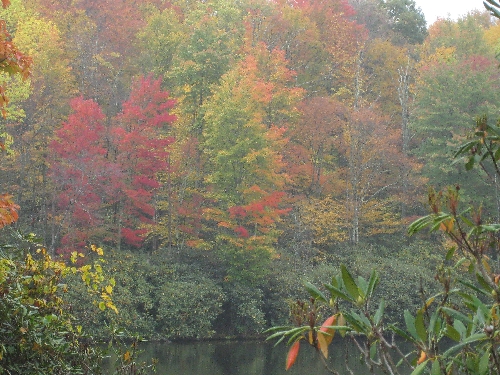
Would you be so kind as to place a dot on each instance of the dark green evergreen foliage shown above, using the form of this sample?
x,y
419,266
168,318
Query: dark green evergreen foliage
x,y
155,300
159,297
289,273
242,313
188,309
135,295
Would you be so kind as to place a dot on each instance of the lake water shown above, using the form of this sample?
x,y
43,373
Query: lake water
x,y
246,358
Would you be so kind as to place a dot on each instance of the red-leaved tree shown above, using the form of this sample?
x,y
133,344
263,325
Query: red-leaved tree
x,y
140,143
80,169
108,175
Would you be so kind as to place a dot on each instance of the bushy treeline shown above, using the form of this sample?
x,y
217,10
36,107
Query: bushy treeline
x,y
161,297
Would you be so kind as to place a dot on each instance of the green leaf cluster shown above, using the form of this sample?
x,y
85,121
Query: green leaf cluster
x,y
38,334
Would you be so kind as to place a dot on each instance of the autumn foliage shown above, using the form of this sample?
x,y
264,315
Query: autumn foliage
x,y
8,210
112,171
279,107
237,136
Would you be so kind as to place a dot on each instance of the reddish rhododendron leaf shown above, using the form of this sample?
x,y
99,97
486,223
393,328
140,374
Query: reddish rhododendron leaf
x,y
292,354
329,331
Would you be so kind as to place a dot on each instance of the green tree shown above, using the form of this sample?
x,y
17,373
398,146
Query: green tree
x,y
454,84
242,145
243,136
210,50
160,40
406,21
211,34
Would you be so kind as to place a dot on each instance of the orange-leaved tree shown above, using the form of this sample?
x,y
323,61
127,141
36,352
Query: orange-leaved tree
x,y
8,210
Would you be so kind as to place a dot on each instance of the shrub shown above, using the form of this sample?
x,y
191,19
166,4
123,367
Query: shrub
x,y
187,309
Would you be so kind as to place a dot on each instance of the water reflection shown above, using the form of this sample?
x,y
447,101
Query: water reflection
x,y
245,358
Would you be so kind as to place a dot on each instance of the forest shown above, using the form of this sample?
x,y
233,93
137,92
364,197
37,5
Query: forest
x,y
222,152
